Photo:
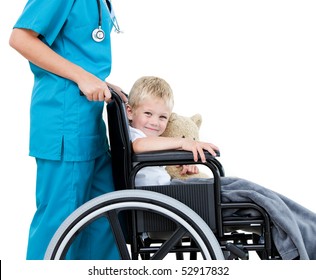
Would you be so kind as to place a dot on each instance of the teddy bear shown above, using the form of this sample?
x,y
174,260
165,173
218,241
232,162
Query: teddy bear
x,y
185,127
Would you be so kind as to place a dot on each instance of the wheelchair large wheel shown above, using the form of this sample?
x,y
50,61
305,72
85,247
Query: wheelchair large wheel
x,y
112,204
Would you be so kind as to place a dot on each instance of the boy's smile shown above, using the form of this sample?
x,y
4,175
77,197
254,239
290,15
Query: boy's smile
x,y
151,116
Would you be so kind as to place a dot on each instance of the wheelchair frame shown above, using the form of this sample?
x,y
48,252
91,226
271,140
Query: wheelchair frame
x,y
125,208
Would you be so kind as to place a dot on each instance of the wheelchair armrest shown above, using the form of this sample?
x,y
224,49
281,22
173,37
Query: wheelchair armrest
x,y
175,157
169,156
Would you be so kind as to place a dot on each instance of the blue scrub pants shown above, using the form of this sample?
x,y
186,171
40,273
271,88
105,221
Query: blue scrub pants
x,y
62,187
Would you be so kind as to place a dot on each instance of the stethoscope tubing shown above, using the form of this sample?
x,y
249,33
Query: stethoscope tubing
x,y
98,34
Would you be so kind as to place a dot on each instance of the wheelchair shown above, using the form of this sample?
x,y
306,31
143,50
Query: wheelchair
x,y
153,222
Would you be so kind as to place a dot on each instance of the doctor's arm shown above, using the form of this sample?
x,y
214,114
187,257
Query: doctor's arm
x,y
27,43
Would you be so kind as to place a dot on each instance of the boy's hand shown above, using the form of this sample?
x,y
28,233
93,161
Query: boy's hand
x,y
188,169
197,148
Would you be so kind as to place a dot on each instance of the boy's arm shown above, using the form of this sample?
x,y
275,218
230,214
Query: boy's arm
x,y
197,148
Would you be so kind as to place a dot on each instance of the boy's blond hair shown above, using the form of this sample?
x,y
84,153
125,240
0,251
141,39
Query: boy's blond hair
x,y
150,87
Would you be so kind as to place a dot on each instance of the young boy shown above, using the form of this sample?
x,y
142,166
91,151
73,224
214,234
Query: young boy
x,y
149,107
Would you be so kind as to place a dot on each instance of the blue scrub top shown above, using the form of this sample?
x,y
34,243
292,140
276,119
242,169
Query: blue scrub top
x,y
63,124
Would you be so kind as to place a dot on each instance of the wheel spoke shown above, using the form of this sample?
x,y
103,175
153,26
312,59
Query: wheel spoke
x,y
118,234
167,246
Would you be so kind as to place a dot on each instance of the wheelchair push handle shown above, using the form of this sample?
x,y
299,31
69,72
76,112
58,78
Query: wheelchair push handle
x,y
113,92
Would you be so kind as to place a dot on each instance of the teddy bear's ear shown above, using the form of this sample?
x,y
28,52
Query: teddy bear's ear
x,y
173,116
197,119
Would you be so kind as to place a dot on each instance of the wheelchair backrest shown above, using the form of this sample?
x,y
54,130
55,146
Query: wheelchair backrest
x,y
120,143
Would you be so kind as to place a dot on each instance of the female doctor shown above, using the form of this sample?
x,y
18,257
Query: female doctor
x,y
68,46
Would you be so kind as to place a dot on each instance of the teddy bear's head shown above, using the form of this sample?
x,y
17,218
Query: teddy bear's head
x,y
184,127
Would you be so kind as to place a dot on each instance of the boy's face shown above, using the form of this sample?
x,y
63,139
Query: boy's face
x,y
151,116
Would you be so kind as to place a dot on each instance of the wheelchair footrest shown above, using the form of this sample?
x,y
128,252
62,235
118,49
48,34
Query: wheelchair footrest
x,y
236,251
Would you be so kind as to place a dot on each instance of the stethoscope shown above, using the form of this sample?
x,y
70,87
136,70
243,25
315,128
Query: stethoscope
x,y
98,34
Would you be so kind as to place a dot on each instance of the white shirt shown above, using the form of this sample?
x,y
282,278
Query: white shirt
x,y
149,176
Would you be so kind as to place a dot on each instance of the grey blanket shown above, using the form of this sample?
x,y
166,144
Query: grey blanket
x,y
294,226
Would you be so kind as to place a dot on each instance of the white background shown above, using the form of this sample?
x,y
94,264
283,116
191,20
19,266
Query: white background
x,y
248,67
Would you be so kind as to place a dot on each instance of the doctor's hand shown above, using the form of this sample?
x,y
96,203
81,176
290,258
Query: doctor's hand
x,y
119,91
94,89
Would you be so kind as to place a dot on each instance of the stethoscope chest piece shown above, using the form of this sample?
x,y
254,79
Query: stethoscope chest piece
x,y
98,34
